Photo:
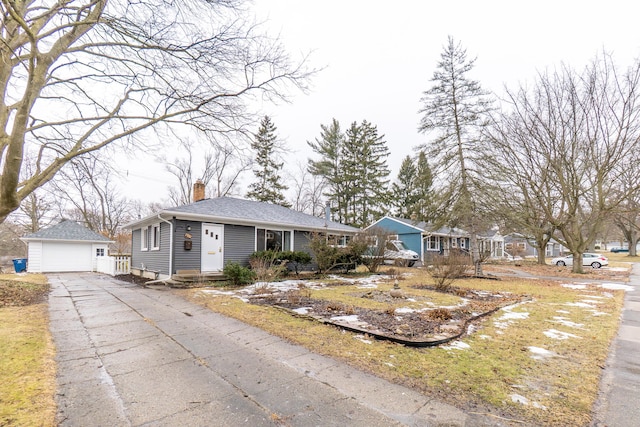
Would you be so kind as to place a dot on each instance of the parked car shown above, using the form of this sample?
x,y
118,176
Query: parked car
x,y
594,260
397,253
616,250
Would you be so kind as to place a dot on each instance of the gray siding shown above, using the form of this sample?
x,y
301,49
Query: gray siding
x,y
154,260
185,259
301,241
239,243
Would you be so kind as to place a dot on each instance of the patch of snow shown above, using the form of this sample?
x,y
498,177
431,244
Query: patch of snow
x,y
573,286
580,305
540,353
216,292
517,398
563,311
564,321
302,310
405,310
485,337
390,364
348,319
559,335
362,339
457,345
599,313
617,287
618,269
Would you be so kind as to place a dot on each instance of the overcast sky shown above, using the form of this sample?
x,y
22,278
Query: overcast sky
x,y
379,56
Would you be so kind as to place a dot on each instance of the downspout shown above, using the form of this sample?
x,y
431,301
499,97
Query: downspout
x,y
170,244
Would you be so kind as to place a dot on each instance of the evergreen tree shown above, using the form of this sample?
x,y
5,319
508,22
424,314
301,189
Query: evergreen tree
x,y
412,194
365,171
267,187
455,110
329,147
424,209
355,167
404,189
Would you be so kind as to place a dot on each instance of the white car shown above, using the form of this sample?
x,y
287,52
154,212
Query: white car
x,y
594,260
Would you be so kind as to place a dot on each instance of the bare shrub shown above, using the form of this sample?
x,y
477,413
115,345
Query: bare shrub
x,y
447,269
440,314
267,269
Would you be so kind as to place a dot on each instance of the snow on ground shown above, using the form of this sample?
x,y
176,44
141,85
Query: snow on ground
x,y
564,321
456,345
574,285
510,316
541,353
516,398
559,335
617,286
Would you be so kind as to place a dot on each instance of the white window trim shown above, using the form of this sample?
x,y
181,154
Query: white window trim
x,y
144,239
155,237
436,240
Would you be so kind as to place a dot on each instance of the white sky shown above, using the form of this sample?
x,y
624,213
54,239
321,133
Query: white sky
x,y
380,57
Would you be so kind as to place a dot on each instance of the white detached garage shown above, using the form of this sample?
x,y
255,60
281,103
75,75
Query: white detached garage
x,y
66,246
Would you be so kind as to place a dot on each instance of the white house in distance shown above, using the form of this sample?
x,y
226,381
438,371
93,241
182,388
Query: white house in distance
x,y
64,247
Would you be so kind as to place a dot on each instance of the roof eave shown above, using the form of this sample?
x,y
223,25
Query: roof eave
x,y
235,221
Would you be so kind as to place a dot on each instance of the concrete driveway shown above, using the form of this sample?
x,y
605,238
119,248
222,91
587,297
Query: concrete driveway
x,y
131,356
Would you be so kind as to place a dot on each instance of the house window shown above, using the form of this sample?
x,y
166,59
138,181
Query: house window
x,y
144,239
339,241
433,243
272,240
463,243
99,251
155,237
454,242
522,246
508,246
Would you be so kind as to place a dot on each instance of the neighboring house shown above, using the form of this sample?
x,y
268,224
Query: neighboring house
x,y
205,235
64,247
421,238
516,244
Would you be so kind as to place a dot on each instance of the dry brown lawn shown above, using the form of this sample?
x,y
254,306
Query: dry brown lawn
x,y
535,363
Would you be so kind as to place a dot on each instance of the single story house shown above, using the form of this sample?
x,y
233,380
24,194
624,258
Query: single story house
x,y
67,246
207,234
516,244
423,238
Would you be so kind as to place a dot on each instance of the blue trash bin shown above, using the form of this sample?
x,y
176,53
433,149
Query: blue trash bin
x,y
20,265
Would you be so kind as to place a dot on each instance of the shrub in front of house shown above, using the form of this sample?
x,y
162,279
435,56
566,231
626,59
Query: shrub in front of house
x,y
275,263
238,274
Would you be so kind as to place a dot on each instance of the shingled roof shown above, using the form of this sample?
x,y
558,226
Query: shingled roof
x,y
231,210
66,230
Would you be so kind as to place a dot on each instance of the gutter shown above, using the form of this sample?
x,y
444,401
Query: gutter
x,y
170,244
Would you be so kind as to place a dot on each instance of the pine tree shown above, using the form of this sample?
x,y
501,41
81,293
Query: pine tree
x,y
268,187
455,110
404,189
355,167
365,170
412,194
329,147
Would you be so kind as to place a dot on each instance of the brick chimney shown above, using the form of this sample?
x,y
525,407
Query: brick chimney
x,y
198,191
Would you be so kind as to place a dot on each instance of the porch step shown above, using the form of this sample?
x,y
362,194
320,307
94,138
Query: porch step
x,y
189,276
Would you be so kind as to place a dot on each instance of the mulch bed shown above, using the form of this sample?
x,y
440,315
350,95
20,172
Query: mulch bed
x,y
430,324
19,294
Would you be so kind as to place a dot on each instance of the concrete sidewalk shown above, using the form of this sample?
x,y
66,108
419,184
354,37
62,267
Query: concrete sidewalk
x,y
618,402
130,356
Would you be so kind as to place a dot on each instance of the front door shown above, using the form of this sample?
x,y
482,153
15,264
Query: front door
x,y
212,247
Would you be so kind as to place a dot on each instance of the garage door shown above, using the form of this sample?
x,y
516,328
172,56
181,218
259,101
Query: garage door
x,y
57,257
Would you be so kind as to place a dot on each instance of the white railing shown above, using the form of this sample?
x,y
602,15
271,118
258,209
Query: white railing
x,y
113,265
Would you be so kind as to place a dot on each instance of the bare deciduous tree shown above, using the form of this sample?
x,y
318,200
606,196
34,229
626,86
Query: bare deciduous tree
x,y
87,186
79,75
568,142
221,165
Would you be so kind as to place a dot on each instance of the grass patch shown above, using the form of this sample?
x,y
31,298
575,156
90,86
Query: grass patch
x,y
27,367
547,351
